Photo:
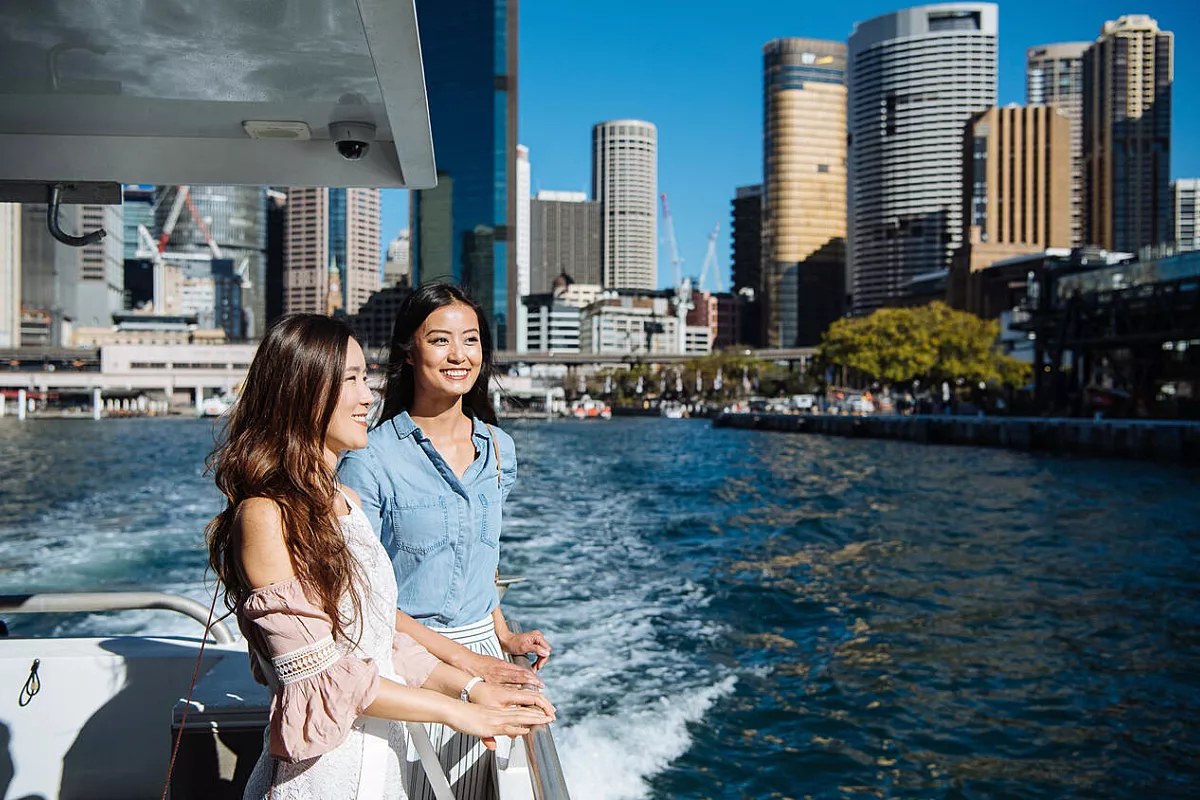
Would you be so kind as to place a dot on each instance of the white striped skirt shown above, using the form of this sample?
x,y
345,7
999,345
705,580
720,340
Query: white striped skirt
x,y
468,764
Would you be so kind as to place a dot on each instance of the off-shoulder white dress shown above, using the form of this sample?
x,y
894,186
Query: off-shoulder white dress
x,y
317,745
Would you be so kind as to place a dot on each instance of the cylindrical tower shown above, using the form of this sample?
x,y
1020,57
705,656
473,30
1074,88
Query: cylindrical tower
x,y
916,76
625,183
804,188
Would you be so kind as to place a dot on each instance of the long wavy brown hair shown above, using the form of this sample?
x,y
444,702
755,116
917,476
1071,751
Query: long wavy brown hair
x,y
273,446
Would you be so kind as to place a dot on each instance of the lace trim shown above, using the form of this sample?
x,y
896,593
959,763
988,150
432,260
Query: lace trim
x,y
310,660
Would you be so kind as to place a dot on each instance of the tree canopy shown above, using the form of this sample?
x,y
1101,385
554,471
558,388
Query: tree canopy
x,y
931,343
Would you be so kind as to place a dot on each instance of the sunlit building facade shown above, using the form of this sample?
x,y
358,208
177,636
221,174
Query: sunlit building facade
x,y
1016,191
804,189
1054,76
330,229
1127,77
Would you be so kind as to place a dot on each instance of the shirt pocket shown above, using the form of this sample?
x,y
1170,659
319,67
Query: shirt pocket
x,y
420,527
489,520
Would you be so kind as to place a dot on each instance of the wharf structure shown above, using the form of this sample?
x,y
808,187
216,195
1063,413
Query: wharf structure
x,y
186,375
1167,440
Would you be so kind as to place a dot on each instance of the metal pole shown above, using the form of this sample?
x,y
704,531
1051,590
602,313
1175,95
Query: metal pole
x,y
75,602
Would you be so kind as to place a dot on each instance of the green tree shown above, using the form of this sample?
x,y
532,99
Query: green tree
x,y
931,343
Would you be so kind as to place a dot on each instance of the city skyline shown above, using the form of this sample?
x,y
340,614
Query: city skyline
x,y
706,100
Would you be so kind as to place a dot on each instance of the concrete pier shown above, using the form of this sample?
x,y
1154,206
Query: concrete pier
x,y
1160,440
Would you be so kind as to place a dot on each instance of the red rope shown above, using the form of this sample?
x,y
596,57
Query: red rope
x,y
188,704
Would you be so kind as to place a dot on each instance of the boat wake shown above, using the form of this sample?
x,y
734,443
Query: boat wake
x,y
612,756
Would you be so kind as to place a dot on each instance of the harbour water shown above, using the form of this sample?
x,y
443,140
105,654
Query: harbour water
x,y
745,614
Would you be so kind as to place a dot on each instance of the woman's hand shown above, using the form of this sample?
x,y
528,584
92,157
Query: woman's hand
x,y
499,696
476,720
498,671
522,644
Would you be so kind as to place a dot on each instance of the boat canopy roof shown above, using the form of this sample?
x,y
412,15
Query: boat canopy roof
x,y
211,92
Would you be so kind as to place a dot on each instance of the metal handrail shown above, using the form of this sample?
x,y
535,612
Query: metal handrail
x,y
545,770
80,602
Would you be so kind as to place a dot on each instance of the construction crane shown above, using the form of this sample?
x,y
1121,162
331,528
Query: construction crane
x,y
710,261
183,197
676,261
156,251
683,286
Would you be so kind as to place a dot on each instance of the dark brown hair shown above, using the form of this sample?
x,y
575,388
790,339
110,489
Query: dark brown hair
x,y
273,446
398,394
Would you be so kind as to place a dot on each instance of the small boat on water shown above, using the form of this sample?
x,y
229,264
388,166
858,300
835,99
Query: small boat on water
x,y
587,408
212,101
216,406
673,410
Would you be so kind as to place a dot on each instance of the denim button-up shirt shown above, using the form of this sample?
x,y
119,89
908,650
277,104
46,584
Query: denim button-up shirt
x,y
442,532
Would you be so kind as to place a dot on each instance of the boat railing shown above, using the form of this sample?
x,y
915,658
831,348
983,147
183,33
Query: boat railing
x,y
545,770
86,602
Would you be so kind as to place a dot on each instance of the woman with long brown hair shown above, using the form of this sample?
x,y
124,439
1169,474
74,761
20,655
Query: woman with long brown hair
x,y
314,590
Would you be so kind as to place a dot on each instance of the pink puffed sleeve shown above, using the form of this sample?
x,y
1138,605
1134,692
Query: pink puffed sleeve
x,y
318,690
411,660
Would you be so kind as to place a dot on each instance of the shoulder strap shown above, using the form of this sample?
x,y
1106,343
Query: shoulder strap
x,y
496,447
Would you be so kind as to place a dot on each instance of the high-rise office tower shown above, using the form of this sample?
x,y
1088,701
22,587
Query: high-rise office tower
x,y
462,230
234,217
397,265
1127,78
522,249
276,239
1185,193
804,188
625,183
137,203
916,76
70,287
1054,76
1016,191
10,275
746,236
565,237
330,229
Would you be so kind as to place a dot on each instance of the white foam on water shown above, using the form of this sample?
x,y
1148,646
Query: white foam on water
x,y
628,674
612,756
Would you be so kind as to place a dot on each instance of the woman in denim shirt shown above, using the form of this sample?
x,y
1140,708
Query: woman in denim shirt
x,y
433,479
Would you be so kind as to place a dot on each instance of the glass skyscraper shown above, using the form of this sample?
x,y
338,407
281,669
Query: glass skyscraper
x,y
461,229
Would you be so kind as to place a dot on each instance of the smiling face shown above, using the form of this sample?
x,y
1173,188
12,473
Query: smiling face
x,y
347,428
446,353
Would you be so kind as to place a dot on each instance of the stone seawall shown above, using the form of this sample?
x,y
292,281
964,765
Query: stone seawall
x,y
1160,440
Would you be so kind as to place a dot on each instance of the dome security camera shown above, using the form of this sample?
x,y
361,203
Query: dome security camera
x,y
352,139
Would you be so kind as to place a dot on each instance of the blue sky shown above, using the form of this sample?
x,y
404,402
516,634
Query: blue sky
x,y
694,69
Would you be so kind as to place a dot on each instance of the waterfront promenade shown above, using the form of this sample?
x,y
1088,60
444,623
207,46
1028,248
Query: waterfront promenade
x,y
1162,440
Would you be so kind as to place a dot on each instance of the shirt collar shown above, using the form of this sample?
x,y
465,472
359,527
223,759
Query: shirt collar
x,y
404,426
